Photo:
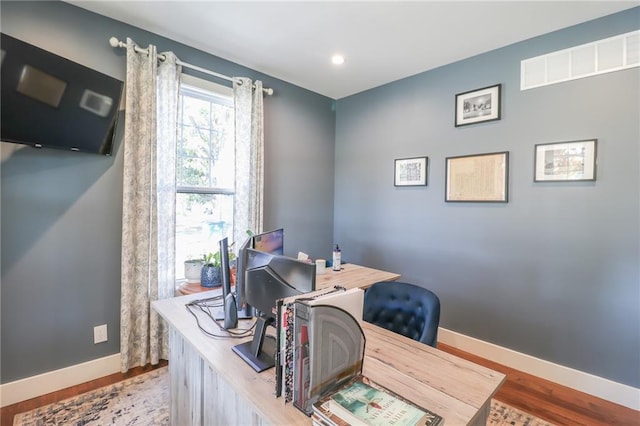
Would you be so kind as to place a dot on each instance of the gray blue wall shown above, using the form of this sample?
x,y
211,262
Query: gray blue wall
x,y
554,273
62,211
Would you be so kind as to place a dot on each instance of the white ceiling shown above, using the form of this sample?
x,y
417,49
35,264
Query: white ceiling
x,y
382,41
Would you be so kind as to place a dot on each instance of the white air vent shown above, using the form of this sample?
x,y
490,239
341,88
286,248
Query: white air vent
x,y
606,55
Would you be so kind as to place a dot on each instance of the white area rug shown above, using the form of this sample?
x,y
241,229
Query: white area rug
x,y
140,400
144,400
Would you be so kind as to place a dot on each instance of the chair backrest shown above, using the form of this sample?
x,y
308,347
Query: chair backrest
x,y
404,308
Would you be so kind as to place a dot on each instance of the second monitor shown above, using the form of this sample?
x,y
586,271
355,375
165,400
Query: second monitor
x,y
269,277
271,242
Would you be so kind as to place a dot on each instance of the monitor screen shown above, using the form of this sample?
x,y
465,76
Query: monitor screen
x,y
270,242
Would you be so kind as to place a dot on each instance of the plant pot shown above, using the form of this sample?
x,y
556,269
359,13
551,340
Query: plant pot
x,y
192,270
210,276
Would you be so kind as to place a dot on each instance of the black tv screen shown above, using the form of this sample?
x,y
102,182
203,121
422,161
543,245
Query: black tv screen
x,y
49,101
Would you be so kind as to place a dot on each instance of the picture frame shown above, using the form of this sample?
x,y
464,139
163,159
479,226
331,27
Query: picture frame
x,y
411,171
570,161
477,178
478,106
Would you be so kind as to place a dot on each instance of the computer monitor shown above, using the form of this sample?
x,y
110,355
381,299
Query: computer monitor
x,y
270,277
244,310
230,310
271,242
225,272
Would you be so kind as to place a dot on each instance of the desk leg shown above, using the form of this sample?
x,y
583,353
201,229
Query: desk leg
x,y
483,414
224,405
185,373
201,396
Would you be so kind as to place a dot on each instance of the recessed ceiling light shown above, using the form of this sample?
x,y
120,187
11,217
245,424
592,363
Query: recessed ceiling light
x,y
337,59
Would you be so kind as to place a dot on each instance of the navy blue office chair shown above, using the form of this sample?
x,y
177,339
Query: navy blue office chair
x,y
404,308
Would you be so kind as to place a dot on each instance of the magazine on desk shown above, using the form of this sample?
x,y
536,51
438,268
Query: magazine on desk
x,y
362,402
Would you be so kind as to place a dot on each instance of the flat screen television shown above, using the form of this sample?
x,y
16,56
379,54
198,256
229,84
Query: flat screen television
x,y
270,277
51,102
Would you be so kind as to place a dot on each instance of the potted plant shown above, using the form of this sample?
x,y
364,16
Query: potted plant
x,y
210,274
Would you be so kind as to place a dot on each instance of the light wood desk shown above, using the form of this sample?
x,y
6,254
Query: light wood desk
x,y
211,385
351,276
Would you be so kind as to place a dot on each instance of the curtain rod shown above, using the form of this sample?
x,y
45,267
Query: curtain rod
x,y
114,42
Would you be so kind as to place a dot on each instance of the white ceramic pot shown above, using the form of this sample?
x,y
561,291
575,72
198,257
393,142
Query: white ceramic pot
x,y
192,270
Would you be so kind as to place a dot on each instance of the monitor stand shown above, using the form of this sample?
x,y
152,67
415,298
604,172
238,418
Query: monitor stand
x,y
259,353
243,314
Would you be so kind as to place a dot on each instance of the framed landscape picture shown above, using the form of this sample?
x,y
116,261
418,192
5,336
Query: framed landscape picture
x,y
565,161
477,178
478,105
411,171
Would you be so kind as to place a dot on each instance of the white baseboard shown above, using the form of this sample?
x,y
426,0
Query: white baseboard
x,y
584,382
628,396
42,384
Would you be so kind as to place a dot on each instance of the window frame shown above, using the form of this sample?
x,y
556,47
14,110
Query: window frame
x,y
205,90
210,92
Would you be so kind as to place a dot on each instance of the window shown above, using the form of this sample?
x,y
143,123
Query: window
x,y
205,169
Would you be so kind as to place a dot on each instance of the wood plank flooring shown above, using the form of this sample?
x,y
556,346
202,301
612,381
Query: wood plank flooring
x,y
552,402
557,404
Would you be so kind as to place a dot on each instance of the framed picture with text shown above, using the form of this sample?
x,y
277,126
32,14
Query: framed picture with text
x,y
411,171
477,178
565,161
478,106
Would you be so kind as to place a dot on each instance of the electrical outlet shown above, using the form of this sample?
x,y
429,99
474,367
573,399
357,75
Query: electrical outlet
x,y
100,333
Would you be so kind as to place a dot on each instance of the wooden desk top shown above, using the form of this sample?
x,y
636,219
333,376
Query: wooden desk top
x,y
351,276
450,386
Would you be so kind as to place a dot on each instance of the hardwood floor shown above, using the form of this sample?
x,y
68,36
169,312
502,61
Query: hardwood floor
x,y
556,404
552,402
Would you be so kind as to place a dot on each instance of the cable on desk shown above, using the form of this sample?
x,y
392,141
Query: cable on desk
x,y
205,306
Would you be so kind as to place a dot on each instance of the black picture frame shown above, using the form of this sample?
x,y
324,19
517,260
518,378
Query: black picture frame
x,y
478,106
477,178
571,161
411,171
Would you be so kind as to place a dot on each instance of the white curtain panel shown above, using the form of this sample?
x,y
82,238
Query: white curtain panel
x,y
148,212
248,204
